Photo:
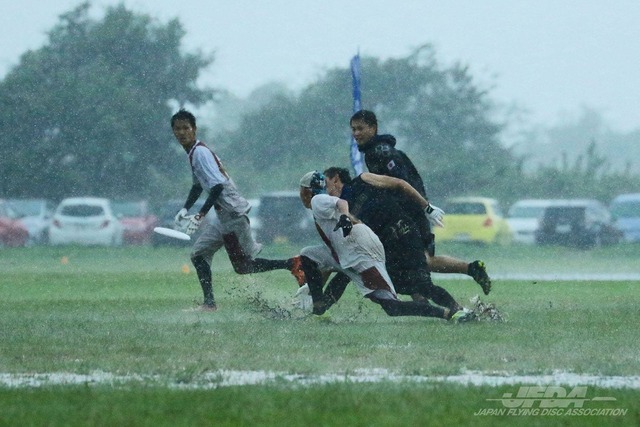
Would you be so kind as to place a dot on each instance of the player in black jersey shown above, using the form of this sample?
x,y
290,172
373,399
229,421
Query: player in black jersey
x,y
381,157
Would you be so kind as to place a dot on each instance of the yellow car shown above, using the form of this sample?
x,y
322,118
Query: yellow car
x,y
473,219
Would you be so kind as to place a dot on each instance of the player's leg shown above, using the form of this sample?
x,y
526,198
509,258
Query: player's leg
x,y
209,242
241,249
317,264
448,264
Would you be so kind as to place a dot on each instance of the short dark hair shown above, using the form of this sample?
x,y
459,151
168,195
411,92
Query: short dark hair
x,y
342,173
183,114
369,117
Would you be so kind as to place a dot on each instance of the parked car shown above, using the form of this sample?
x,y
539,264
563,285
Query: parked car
x,y
473,219
86,221
136,219
524,218
12,232
625,210
283,218
581,223
35,215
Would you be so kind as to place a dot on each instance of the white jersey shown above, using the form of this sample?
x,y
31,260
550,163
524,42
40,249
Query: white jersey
x,y
360,250
208,171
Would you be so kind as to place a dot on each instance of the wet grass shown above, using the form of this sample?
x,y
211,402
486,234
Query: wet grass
x,y
122,311
351,405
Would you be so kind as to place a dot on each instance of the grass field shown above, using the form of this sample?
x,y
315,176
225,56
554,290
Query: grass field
x,y
95,336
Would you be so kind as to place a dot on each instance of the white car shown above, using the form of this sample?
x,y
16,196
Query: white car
x,y
524,219
85,221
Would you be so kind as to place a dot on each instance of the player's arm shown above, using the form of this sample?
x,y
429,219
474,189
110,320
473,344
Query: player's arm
x,y
214,193
346,220
194,193
396,184
209,175
343,209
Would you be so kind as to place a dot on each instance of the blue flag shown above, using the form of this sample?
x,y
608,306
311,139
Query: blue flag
x,y
356,156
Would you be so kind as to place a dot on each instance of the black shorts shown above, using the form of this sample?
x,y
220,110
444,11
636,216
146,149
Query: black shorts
x,y
428,238
403,247
409,282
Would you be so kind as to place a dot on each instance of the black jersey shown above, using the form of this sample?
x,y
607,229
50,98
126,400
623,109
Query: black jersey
x,y
379,209
383,158
374,206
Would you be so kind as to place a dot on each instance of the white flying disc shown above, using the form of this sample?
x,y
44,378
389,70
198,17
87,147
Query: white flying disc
x,y
170,232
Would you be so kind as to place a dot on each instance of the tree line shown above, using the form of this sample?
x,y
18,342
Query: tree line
x,y
88,114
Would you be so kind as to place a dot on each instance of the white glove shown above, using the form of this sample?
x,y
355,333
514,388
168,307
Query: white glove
x,y
181,217
194,224
435,215
303,299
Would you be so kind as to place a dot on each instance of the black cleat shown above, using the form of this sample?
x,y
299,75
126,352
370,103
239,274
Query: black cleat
x,y
478,271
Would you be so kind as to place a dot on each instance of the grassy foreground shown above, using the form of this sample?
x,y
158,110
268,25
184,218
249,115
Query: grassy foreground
x,y
121,311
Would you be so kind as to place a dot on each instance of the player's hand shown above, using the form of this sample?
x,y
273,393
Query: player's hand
x,y
181,217
194,224
303,299
435,215
345,223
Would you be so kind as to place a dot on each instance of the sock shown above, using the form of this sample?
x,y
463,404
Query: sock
x,y
204,276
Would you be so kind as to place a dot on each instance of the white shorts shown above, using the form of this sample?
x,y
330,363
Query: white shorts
x,y
321,255
213,238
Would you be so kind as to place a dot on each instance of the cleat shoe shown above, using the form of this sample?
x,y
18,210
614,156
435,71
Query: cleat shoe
x,y
478,271
296,270
462,316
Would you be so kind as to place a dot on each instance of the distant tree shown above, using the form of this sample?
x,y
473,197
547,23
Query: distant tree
x,y
589,176
88,112
438,116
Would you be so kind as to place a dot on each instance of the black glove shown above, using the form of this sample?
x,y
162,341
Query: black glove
x,y
345,223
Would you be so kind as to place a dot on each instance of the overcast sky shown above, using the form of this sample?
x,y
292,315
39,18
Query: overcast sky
x,y
552,57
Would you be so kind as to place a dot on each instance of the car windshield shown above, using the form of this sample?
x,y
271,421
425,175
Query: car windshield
x,y
525,211
82,210
628,209
26,207
128,208
465,208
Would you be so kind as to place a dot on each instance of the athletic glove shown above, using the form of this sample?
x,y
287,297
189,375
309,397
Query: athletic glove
x,y
435,215
194,224
181,217
303,299
345,223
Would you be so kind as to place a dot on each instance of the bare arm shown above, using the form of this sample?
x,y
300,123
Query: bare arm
x,y
343,209
383,181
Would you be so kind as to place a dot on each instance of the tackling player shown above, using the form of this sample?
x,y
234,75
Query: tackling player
x,y
382,158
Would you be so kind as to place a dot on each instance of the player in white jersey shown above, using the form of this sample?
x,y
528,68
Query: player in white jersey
x,y
230,226
353,249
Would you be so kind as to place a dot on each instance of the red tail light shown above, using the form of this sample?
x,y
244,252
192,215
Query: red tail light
x,y
487,222
56,223
104,224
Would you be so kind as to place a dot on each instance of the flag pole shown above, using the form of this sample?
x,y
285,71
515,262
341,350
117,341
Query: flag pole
x,y
356,156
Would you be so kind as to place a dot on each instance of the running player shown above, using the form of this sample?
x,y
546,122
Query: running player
x,y
230,226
